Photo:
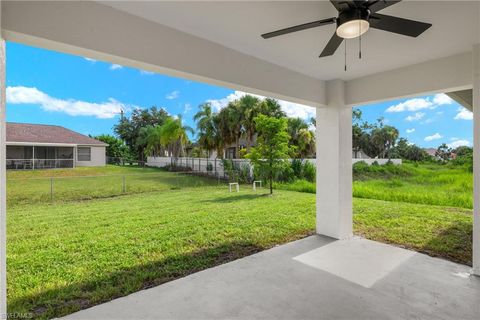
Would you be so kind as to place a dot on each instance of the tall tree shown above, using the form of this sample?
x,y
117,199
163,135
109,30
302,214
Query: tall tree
x,y
128,129
249,108
150,138
272,150
174,136
116,148
230,121
294,126
271,108
443,152
358,132
206,127
306,143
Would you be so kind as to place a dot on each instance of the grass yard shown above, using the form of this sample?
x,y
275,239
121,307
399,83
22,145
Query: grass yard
x,y
431,184
83,183
67,255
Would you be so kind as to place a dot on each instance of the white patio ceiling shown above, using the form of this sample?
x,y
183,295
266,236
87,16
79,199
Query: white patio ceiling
x,y
238,25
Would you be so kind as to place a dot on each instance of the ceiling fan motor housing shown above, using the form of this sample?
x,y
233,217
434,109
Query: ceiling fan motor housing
x,y
353,22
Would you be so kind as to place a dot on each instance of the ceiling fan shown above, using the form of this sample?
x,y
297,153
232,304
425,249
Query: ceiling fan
x,y
355,17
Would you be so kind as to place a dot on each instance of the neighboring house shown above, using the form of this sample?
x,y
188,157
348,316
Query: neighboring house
x,y
359,154
431,151
231,150
37,146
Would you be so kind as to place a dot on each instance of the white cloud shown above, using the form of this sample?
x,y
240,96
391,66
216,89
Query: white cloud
x,y
416,104
415,117
30,95
459,143
463,114
173,95
411,105
435,136
427,121
115,67
147,73
294,110
441,99
90,59
410,130
187,108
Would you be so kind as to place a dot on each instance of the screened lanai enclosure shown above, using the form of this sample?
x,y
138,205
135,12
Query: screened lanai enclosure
x,y
39,157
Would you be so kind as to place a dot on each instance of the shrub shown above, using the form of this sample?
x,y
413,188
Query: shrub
x,y
360,167
209,167
238,172
297,168
308,171
285,173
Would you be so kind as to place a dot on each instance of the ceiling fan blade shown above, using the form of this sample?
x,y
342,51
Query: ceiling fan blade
x,y
332,45
300,27
340,5
377,5
406,27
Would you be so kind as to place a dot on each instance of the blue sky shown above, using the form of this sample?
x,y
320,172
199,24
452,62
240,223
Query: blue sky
x,y
86,96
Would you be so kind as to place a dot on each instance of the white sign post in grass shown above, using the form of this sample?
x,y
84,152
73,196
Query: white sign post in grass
x,y
255,184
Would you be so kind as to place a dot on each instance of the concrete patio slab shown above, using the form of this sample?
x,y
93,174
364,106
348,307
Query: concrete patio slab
x,y
313,278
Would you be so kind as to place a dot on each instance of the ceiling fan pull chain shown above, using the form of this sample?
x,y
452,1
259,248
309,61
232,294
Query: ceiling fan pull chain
x,y
359,38
345,54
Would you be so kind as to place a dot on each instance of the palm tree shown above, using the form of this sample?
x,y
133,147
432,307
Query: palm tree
x,y
150,137
206,127
294,127
301,137
230,121
174,136
249,108
306,143
218,138
271,108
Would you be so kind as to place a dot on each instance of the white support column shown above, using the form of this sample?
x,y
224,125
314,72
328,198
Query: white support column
x,y
3,184
476,160
334,164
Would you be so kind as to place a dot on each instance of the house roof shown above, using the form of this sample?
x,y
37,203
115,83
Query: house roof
x,y
431,151
41,133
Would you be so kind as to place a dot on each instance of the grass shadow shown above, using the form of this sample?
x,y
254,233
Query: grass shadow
x,y
453,243
238,197
77,296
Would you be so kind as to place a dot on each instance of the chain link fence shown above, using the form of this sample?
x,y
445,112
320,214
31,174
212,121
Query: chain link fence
x,y
57,189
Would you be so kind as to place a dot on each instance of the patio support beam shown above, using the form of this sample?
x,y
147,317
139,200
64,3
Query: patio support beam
x,y
334,164
3,183
446,74
476,160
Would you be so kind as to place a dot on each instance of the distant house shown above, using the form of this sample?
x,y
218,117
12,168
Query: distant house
x,y
36,146
431,151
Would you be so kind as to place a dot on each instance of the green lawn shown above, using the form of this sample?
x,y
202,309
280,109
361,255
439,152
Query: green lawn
x,y
42,186
67,255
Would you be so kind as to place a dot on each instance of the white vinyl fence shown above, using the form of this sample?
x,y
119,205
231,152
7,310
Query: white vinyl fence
x,y
216,167
213,167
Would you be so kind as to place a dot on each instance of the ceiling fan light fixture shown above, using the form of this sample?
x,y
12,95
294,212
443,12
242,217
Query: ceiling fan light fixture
x,y
353,28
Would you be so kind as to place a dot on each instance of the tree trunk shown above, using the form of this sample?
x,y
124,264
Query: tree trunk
x,y
237,149
271,185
